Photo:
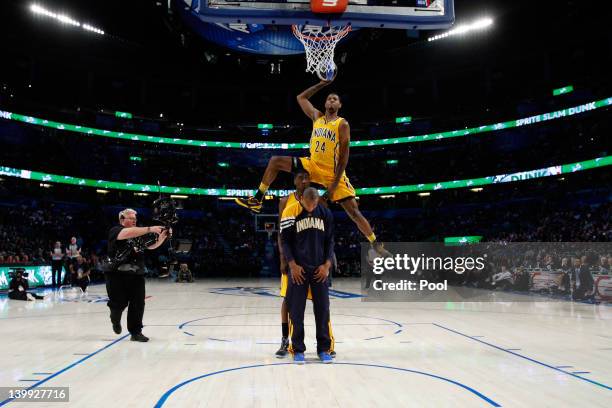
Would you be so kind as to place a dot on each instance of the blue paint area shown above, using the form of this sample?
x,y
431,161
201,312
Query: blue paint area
x,y
211,338
189,334
343,295
6,401
168,393
374,338
525,357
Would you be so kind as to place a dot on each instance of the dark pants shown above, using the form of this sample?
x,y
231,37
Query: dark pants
x,y
22,295
56,268
125,290
296,301
83,283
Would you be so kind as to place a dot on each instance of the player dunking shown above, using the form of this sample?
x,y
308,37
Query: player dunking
x,y
329,154
301,181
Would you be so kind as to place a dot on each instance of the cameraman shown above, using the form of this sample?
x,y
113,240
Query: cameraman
x,y
125,283
18,288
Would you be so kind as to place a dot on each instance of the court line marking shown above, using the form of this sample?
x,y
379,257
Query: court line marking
x,y
211,338
525,357
63,370
399,325
170,391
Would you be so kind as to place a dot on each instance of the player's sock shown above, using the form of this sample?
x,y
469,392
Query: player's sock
x,y
261,192
285,330
371,238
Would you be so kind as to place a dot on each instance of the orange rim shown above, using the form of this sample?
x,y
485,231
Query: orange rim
x,y
342,33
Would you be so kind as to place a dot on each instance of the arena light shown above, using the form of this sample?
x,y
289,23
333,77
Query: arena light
x,y
476,190
551,171
223,164
141,194
492,127
45,185
265,126
64,19
99,191
179,196
424,194
387,196
392,161
464,29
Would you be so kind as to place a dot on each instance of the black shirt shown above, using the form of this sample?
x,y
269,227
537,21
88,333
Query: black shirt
x,y
133,255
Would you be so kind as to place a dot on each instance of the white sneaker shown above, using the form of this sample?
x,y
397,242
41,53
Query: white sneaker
x,y
30,297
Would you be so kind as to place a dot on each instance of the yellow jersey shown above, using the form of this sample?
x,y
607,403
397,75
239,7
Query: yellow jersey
x,y
292,199
325,143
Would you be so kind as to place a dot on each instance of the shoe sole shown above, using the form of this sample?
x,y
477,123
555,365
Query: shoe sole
x,y
248,207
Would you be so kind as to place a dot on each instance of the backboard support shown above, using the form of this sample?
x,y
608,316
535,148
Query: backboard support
x,y
392,14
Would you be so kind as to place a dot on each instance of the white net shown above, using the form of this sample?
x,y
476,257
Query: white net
x,y
320,43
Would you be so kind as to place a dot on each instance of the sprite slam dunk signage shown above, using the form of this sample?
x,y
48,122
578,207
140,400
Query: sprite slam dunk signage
x,y
441,185
38,275
492,127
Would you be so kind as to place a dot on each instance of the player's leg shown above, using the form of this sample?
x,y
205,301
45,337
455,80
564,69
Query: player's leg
x,y
297,304
325,337
284,347
275,165
352,209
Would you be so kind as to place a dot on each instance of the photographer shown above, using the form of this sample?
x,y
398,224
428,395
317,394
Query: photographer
x,y
19,286
125,283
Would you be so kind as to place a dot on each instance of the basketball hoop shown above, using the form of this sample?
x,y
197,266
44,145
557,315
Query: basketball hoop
x,y
320,43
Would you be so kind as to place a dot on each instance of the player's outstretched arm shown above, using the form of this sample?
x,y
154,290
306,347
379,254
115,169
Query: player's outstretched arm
x,y
304,102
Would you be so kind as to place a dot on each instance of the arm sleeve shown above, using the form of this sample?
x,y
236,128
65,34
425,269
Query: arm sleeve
x,y
329,237
287,231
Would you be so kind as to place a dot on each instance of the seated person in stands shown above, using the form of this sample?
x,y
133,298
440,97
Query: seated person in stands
x,y
18,288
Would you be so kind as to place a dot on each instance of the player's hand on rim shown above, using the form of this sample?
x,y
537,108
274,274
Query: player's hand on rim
x,y
297,273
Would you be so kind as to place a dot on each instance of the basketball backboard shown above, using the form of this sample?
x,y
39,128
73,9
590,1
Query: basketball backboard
x,y
397,14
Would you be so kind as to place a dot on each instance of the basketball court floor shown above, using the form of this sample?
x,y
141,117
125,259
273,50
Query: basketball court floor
x,y
213,343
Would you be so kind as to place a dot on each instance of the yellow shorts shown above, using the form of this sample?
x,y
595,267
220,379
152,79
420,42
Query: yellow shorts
x,y
285,285
325,177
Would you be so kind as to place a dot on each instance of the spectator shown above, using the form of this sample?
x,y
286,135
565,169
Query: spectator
x,y
82,273
584,283
57,257
18,288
